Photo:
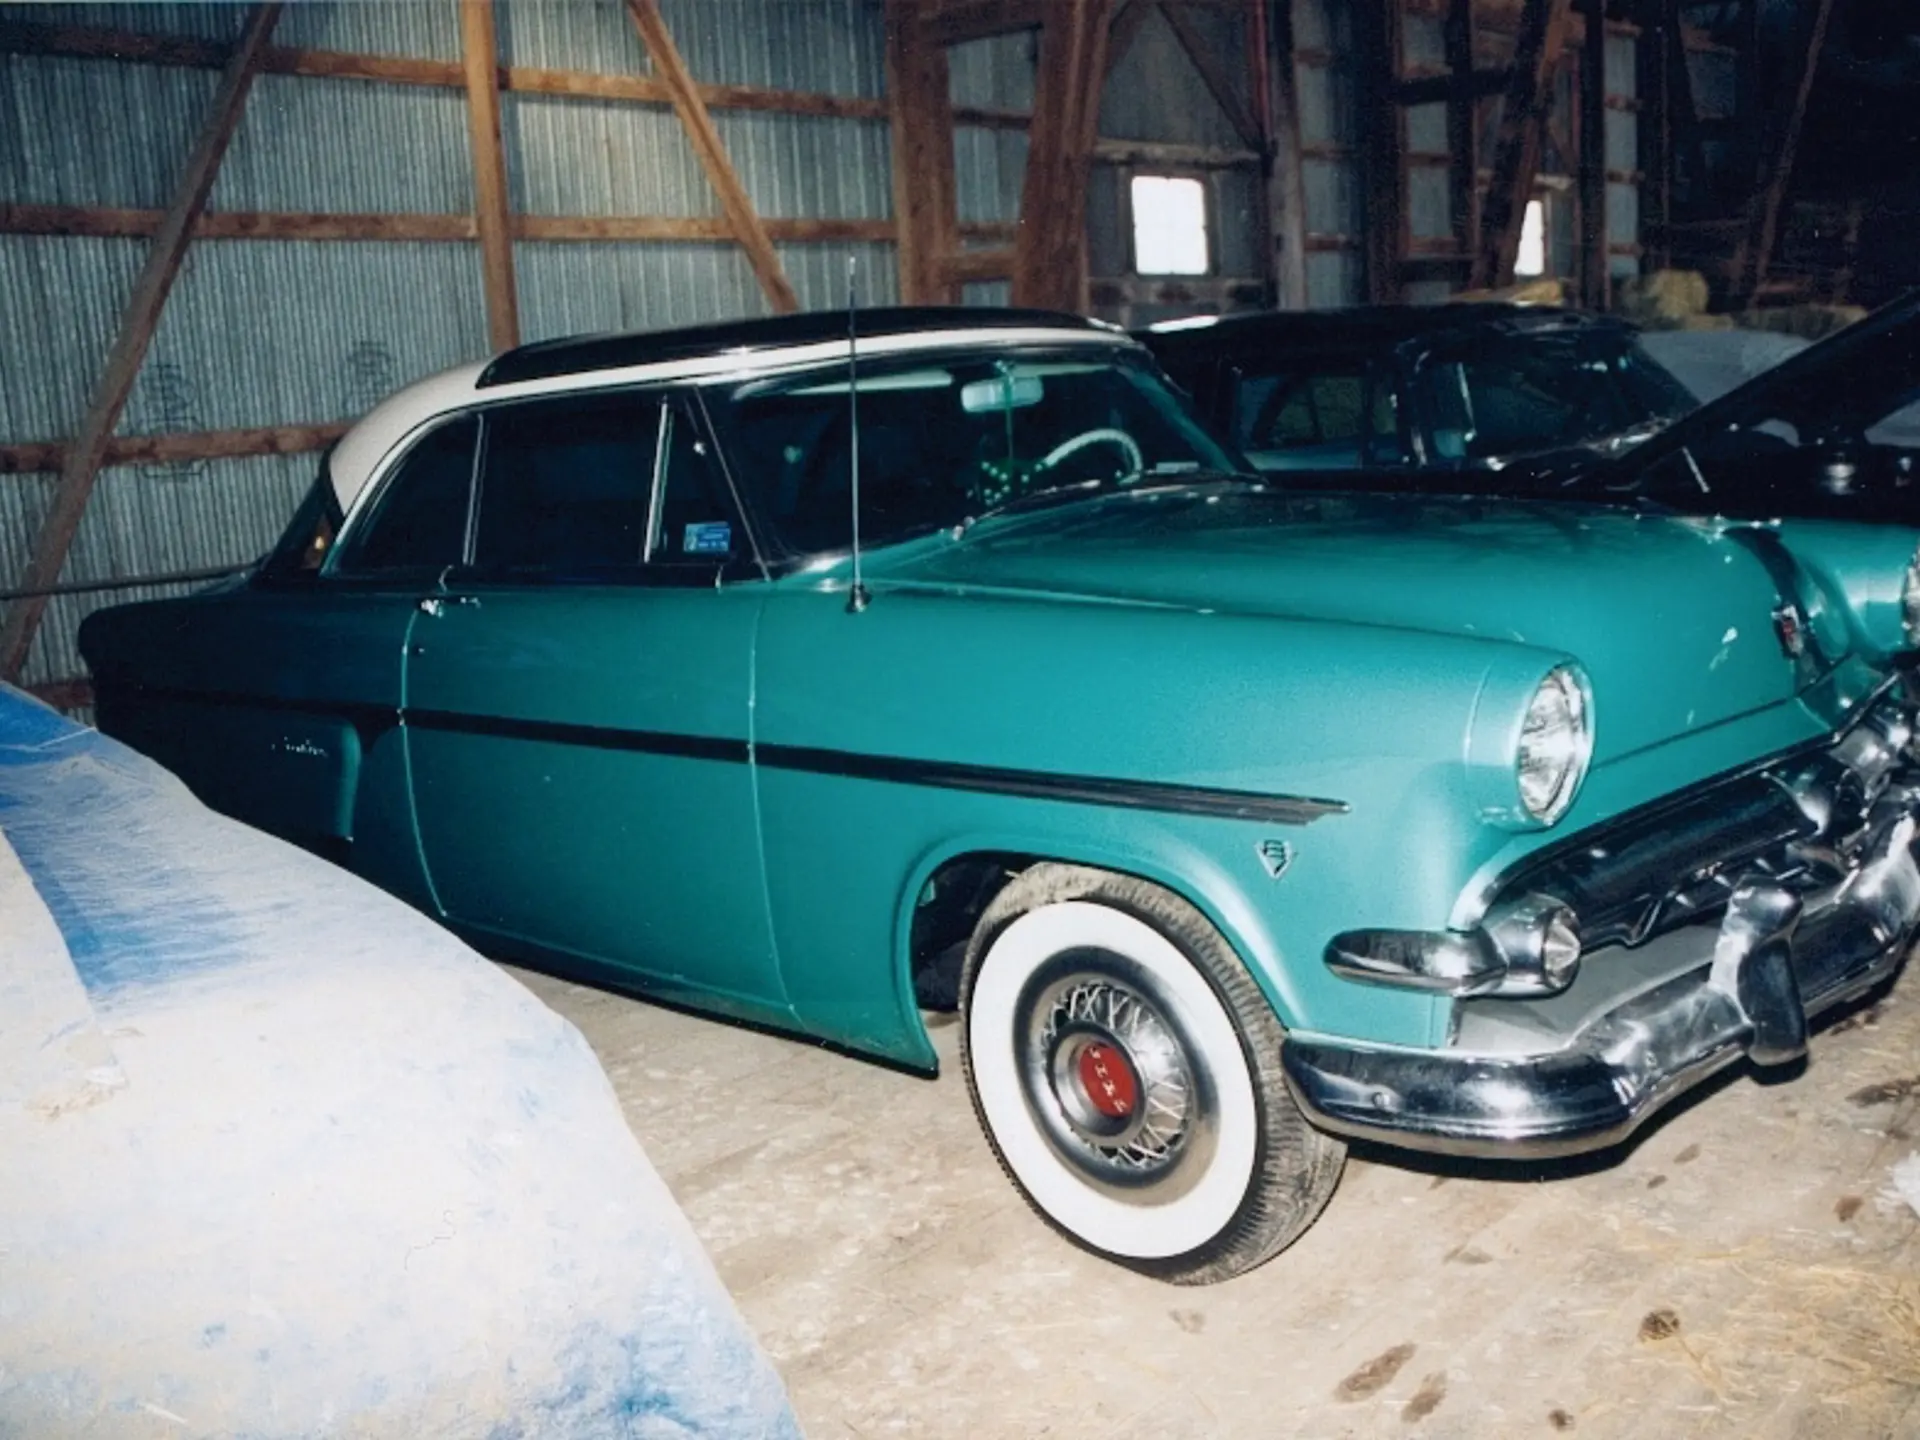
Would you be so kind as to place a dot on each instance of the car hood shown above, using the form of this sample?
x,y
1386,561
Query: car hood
x,y
1673,620
1856,374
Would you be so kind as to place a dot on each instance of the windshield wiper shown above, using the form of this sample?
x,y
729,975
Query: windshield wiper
x,y
1054,495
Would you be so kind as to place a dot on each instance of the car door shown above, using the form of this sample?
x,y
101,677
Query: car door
x,y
283,699
578,705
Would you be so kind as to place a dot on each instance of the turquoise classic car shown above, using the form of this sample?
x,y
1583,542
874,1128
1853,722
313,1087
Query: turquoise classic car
x,y
1252,820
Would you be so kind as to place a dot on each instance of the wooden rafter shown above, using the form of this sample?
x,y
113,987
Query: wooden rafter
x,y
1050,251
1213,74
712,154
1542,40
492,214
137,324
925,192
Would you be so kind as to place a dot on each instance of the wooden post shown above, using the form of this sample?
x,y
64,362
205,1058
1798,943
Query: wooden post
x,y
1376,26
480,60
925,200
1537,50
1654,82
712,153
1594,282
1277,92
1463,128
1050,249
137,324
1777,172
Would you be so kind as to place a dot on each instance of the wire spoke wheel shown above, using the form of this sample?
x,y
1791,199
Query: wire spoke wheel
x,y
1126,1071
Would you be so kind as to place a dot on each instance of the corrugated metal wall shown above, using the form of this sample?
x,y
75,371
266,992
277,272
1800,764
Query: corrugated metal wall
x,y
269,332
265,332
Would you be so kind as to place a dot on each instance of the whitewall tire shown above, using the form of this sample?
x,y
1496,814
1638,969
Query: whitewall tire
x,y
1126,1070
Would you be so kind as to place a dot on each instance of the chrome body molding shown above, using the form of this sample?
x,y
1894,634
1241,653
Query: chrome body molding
x,y
1714,930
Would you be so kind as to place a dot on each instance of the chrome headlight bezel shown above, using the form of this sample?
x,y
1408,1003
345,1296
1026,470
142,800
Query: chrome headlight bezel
x,y
1554,745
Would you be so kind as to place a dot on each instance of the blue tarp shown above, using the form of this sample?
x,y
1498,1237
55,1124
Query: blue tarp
x,y
280,1157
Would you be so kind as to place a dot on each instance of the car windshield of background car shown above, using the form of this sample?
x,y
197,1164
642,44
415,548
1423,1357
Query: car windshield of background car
x,y
1520,395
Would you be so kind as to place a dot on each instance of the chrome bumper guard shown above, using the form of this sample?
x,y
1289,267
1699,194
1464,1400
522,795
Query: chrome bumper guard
x,y
1792,940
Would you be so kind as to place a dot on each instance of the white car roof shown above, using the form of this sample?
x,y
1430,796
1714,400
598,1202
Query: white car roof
x,y
358,458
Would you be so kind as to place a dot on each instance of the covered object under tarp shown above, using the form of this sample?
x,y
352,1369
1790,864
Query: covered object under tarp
x,y
280,1157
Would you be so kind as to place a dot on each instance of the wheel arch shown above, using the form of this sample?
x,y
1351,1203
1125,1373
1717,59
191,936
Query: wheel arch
x,y
1177,868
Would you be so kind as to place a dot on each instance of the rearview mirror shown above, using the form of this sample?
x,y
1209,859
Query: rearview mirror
x,y
1002,392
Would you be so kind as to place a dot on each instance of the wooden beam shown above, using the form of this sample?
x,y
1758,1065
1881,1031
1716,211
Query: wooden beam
x,y
1129,18
131,47
1376,25
1213,74
995,264
1173,155
1433,89
137,324
955,22
1655,131
925,191
1463,126
301,225
1593,279
712,154
1050,253
1543,38
480,58
1777,171
1278,89
40,457
71,694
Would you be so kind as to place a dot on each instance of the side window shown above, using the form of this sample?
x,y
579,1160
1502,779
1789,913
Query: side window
x,y
694,523
303,547
1315,420
565,485
418,525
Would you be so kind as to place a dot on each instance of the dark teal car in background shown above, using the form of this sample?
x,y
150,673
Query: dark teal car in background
x,y
1255,820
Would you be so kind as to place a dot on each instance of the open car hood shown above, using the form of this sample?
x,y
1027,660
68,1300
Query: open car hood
x,y
1860,373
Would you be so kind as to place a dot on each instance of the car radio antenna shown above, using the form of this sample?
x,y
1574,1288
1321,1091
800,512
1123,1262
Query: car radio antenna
x,y
857,597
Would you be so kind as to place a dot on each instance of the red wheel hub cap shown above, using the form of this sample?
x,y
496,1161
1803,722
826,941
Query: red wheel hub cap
x,y
1108,1080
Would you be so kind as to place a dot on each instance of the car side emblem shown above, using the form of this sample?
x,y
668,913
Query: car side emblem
x,y
1787,625
1276,855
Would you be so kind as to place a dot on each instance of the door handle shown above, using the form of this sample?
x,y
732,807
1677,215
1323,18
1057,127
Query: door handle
x,y
436,605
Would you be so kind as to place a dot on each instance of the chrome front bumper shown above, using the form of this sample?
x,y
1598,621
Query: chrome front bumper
x,y
1655,1009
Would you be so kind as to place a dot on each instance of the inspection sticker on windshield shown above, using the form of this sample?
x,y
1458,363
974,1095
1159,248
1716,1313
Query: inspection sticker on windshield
x,y
709,537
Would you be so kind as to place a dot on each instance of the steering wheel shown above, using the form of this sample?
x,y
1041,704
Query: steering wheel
x,y
1105,435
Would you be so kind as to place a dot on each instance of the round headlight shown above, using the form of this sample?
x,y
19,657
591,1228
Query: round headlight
x,y
1556,741
1910,601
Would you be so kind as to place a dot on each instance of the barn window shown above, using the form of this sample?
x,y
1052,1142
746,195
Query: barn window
x,y
1532,259
1169,225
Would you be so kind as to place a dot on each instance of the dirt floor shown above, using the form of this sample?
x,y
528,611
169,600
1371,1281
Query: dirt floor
x,y
1747,1268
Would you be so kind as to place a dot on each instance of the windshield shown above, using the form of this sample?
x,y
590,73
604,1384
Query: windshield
x,y
946,438
1526,393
